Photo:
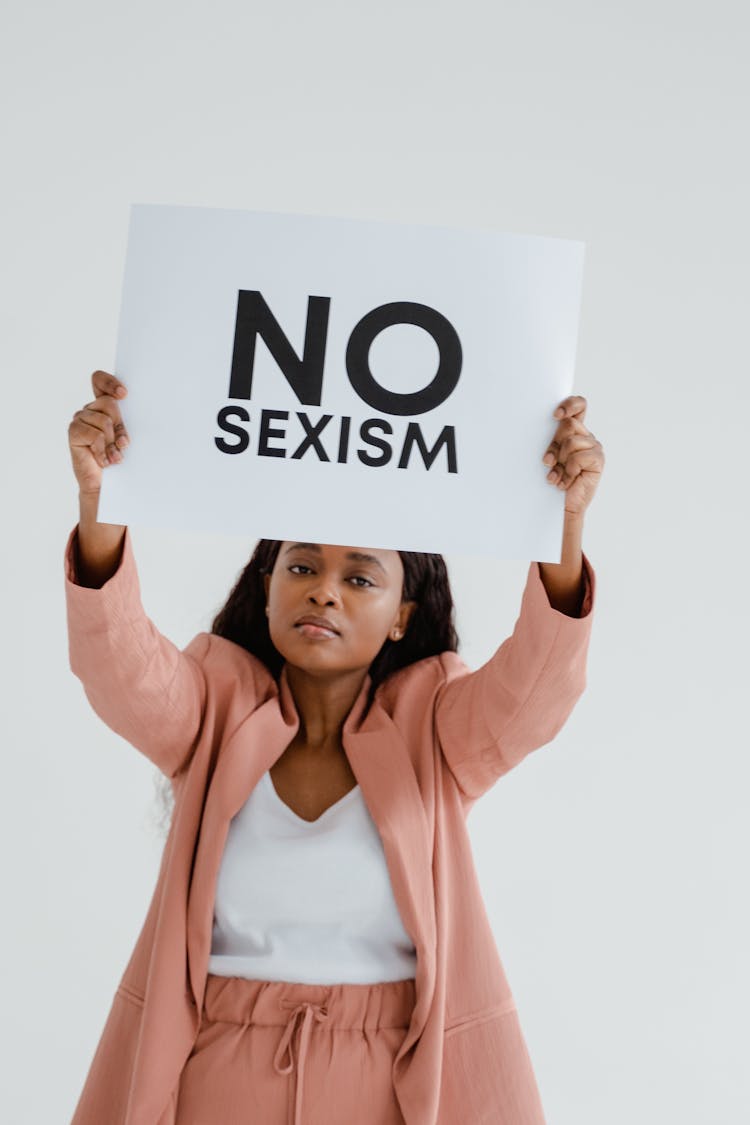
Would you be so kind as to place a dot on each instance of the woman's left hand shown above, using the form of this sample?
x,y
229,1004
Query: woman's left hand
x,y
575,457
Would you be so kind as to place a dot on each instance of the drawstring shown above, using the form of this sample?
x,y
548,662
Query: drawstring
x,y
320,1013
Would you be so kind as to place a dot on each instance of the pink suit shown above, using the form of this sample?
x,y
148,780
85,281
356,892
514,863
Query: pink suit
x,y
436,737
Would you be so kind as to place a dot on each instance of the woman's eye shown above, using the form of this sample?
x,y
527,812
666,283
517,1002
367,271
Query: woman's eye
x,y
358,579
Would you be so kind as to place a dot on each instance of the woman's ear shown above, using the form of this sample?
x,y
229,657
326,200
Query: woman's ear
x,y
266,584
404,617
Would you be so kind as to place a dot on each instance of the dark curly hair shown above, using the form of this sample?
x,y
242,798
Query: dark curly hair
x,y
430,631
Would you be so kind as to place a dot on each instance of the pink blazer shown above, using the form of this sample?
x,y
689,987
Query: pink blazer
x,y
437,736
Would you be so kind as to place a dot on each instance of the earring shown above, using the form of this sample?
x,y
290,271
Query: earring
x,y
266,611
396,634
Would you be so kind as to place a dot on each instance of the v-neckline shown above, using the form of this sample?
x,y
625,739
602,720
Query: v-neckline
x,y
296,816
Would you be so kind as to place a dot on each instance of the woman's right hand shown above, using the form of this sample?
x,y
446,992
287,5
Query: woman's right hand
x,y
97,434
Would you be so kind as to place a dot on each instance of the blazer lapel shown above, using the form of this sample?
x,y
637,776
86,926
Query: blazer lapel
x,y
381,762
249,751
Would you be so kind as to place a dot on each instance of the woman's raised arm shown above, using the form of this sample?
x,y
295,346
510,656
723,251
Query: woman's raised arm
x,y
139,683
98,546
488,721
142,686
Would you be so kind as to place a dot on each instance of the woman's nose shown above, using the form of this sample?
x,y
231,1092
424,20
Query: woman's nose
x,y
324,594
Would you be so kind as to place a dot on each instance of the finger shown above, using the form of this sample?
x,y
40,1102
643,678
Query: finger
x,y
559,452
113,430
584,460
570,425
577,446
105,410
566,428
83,434
99,419
109,406
106,384
572,406
573,443
564,475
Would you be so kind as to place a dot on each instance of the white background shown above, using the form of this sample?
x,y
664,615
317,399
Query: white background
x,y
613,861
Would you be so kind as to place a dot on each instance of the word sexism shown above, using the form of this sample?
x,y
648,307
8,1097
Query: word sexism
x,y
305,376
312,430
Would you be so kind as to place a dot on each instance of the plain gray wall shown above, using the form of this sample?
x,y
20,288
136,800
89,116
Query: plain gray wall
x,y
613,861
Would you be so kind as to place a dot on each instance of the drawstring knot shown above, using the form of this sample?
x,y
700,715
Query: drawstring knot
x,y
312,1012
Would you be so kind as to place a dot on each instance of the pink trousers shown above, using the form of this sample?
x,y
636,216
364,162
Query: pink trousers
x,y
283,1053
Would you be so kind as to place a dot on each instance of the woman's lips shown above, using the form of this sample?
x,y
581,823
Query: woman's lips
x,y
309,630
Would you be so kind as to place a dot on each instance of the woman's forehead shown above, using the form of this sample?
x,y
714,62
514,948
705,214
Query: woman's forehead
x,y
336,552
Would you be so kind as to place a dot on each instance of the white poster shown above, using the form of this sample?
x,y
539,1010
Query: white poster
x,y
340,381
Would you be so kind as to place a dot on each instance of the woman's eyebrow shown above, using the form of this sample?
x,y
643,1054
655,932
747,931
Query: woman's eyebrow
x,y
303,547
356,556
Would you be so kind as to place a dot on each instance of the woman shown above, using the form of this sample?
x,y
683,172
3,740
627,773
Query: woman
x,y
317,949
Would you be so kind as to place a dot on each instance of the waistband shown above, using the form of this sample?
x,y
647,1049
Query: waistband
x,y
267,1002
284,1004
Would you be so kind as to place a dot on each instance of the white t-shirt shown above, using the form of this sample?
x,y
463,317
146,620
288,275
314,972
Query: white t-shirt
x,y
307,901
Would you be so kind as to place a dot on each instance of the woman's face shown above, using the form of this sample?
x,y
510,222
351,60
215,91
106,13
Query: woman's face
x,y
355,593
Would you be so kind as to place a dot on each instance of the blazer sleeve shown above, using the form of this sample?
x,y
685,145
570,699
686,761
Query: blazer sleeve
x,y
142,686
488,720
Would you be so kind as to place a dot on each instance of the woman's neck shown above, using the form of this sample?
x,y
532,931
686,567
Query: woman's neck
x,y
323,703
